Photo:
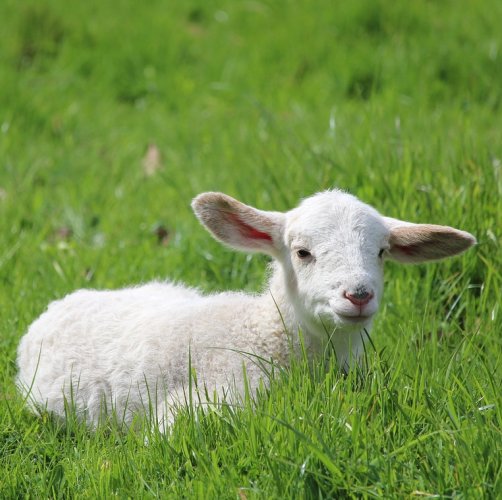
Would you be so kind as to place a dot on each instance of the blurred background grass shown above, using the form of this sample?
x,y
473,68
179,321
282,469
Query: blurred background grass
x,y
268,101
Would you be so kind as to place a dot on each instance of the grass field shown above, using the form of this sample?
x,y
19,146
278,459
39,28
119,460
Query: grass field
x,y
113,115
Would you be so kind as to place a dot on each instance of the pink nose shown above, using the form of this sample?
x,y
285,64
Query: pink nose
x,y
360,298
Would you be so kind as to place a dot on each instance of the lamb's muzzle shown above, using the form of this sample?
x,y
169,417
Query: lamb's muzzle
x,y
360,297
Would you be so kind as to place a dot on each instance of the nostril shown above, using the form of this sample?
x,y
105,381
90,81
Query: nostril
x,y
360,297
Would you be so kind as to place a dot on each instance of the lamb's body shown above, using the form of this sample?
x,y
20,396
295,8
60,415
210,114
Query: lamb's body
x,y
136,349
128,346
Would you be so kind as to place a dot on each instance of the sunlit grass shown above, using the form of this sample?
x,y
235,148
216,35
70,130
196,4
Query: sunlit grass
x,y
268,101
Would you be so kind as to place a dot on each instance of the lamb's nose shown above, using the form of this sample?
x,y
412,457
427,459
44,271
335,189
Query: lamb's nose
x,y
360,298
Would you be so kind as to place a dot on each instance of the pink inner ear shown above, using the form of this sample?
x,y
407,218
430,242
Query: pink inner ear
x,y
249,231
407,249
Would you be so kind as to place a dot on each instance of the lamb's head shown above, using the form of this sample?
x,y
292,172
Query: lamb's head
x,y
331,249
334,254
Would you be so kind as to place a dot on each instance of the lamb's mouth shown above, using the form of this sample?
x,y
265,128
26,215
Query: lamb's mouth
x,y
354,319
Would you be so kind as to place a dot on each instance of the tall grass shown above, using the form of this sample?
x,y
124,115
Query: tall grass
x,y
399,103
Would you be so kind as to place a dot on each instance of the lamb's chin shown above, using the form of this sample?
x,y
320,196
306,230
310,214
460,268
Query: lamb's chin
x,y
336,322
347,322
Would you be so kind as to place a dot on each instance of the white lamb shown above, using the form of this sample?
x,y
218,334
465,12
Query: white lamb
x,y
135,350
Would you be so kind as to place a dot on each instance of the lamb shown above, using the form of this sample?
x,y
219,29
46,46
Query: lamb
x,y
134,350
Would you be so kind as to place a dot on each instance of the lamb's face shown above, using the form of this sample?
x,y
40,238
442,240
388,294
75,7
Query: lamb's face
x,y
334,260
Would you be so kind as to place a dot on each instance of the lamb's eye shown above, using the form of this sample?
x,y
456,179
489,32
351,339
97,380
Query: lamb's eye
x,y
381,252
303,254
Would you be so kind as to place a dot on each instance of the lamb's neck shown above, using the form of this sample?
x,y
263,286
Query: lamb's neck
x,y
277,292
281,295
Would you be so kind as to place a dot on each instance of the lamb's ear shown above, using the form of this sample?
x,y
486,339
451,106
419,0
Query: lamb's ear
x,y
240,226
413,243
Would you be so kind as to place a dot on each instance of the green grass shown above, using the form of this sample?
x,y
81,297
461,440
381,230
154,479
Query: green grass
x,y
398,102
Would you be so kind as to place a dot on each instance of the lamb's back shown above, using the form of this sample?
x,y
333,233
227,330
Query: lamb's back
x,y
99,339
121,346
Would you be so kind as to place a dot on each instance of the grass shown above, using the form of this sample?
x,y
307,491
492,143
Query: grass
x,y
400,103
